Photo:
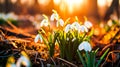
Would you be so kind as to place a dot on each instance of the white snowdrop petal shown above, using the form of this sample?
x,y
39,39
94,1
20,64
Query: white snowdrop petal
x,y
61,22
80,47
76,25
83,28
85,46
36,38
88,24
41,40
23,60
73,39
44,22
86,30
67,28
52,17
56,16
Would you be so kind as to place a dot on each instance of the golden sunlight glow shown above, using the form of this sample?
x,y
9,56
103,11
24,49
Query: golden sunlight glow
x,y
2,1
119,2
109,2
57,2
31,2
23,1
13,1
26,2
43,2
73,4
101,3
70,5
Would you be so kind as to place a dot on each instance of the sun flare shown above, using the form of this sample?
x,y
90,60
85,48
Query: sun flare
x,y
69,5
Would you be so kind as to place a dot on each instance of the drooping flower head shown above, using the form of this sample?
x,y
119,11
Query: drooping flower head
x,y
37,38
85,45
88,24
54,16
76,26
23,60
60,22
45,21
83,28
68,28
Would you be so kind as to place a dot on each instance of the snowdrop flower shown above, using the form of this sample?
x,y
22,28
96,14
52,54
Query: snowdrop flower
x,y
68,28
88,24
23,60
85,46
38,36
76,25
54,16
83,28
60,22
44,22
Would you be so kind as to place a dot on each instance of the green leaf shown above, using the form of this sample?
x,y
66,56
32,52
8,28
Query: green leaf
x,y
102,57
92,58
45,41
96,50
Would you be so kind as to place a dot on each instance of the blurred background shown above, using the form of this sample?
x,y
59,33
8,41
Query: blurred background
x,y
93,9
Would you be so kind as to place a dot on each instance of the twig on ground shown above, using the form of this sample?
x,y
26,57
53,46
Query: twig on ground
x,y
67,62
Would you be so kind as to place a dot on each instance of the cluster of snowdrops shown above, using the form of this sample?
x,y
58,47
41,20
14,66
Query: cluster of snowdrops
x,y
73,40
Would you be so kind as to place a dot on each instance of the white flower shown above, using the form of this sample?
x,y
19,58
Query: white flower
x,y
67,39
54,16
5,17
38,36
76,25
88,24
23,60
85,46
60,22
68,28
83,28
44,22
109,23
73,39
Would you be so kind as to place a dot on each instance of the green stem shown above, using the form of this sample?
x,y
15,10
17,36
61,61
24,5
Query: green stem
x,y
88,59
81,58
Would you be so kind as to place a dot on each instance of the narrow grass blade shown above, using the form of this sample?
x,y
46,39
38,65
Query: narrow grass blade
x,y
102,57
